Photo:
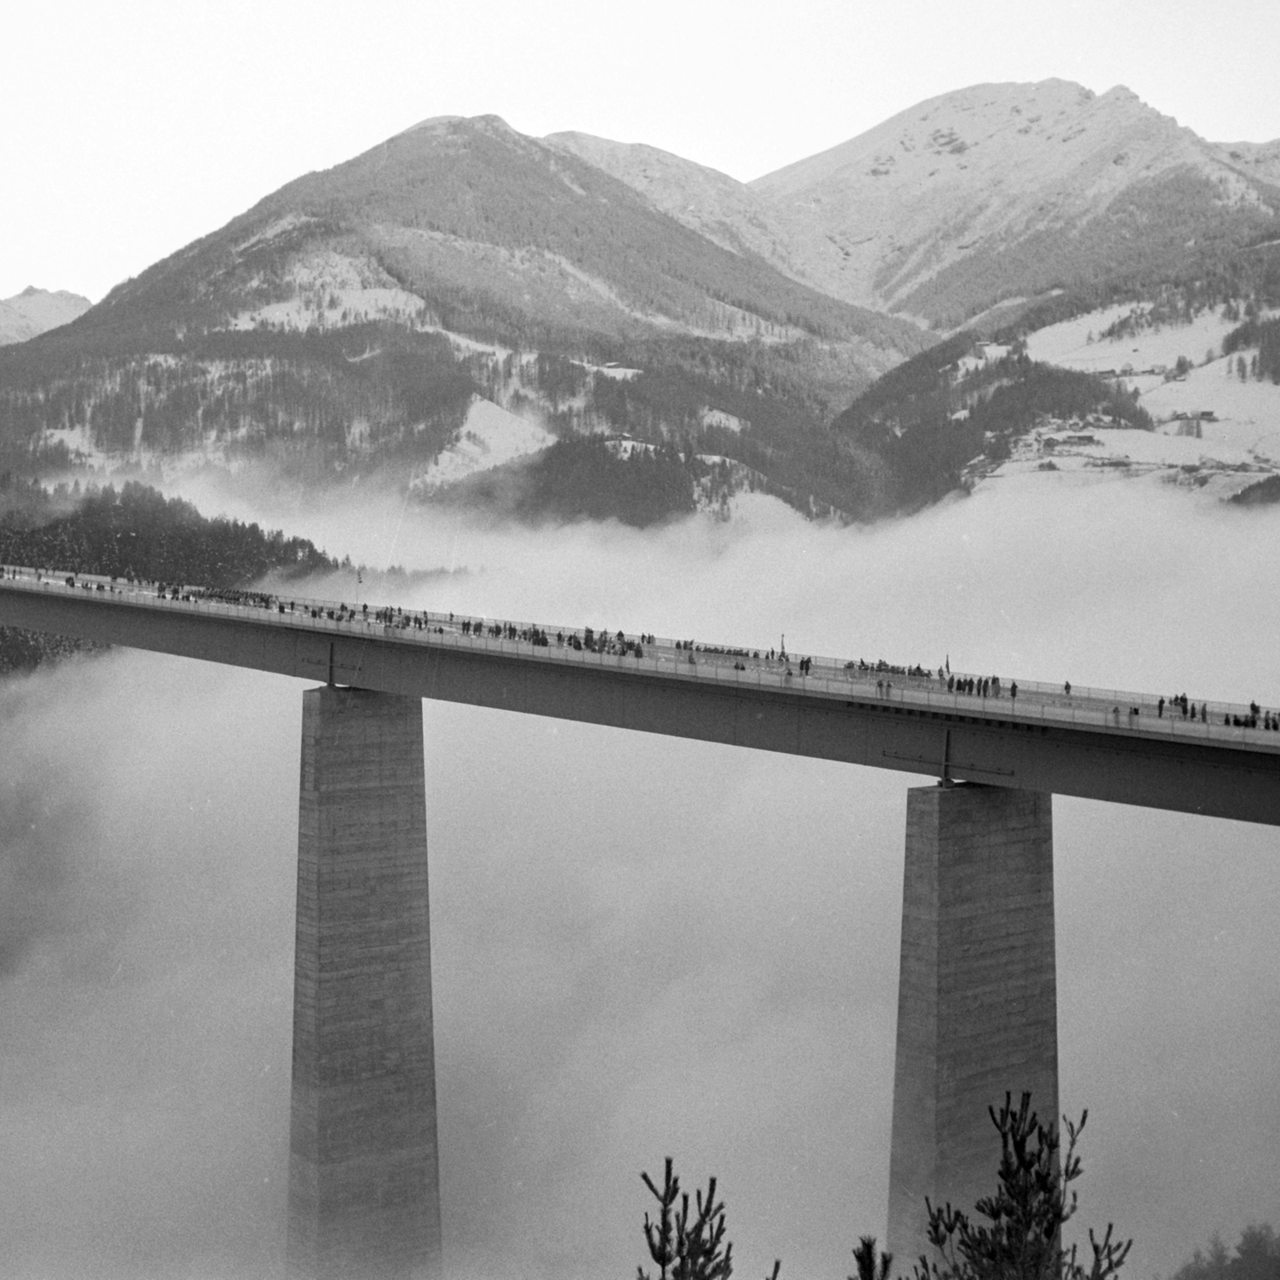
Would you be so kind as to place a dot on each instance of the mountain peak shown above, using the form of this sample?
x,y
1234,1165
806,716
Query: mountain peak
x,y
35,311
488,123
984,174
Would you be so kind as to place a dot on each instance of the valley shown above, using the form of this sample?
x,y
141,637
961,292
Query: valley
x,y
435,316
879,402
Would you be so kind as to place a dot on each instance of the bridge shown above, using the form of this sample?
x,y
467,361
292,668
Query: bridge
x,y
977,987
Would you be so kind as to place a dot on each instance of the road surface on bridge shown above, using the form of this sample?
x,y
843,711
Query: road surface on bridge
x,y
1101,744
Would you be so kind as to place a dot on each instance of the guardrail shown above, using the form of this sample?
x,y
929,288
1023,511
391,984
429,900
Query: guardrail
x,y
731,665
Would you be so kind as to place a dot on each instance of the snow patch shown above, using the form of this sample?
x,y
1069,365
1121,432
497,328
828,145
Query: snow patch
x,y
615,371
330,290
274,229
983,353
78,441
490,437
1076,344
709,417
626,448
1214,432
339,306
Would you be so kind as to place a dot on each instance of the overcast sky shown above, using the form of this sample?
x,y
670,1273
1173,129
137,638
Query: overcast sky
x,y
132,127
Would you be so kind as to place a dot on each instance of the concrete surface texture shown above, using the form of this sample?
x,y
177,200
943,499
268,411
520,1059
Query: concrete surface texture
x,y
977,994
364,1196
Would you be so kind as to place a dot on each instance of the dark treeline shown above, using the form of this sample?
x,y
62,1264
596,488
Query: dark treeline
x,y
134,532
1263,334
907,419
1255,1257
927,420
1250,275
1261,493
583,479
770,392
292,400
249,390
1008,409
137,532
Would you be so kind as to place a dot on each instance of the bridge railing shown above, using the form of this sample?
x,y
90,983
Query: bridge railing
x,y
827,678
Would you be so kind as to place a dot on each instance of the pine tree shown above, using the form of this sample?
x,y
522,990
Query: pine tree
x,y
869,1267
684,1249
1032,1203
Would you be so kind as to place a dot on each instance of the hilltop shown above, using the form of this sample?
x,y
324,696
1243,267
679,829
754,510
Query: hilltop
x,y
997,193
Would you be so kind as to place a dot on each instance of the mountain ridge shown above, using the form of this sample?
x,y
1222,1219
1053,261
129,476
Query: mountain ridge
x,y
978,195
35,311
347,324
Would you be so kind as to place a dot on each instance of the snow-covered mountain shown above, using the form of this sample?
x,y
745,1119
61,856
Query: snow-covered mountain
x,y
463,296
344,327
992,193
1259,159
35,311
728,212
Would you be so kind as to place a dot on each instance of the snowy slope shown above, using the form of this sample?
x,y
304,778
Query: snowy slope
x,y
972,174
490,437
1214,432
717,206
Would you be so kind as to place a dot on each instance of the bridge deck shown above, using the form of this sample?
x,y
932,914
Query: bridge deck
x,y
1099,744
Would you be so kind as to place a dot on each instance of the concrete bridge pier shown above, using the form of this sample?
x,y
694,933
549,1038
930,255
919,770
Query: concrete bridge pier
x,y
364,1185
977,994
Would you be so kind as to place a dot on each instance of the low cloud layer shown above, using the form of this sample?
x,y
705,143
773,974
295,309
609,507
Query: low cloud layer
x,y
641,946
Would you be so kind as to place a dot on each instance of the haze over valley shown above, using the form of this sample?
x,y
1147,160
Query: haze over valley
x,y
993,382
641,946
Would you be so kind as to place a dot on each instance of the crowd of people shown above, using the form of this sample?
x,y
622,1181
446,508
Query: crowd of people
x,y
618,643
980,686
1178,705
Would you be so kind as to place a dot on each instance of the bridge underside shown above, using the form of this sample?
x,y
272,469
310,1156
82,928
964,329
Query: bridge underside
x,y
979,741
977,1000
976,1005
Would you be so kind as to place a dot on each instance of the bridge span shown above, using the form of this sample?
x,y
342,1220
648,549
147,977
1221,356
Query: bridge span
x,y
1110,745
977,1012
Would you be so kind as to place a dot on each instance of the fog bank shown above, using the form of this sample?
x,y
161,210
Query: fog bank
x,y
641,946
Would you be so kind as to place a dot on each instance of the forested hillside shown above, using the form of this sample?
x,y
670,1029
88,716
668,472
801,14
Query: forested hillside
x,y
1245,279
1263,334
133,532
1256,1256
930,417
345,326
251,394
